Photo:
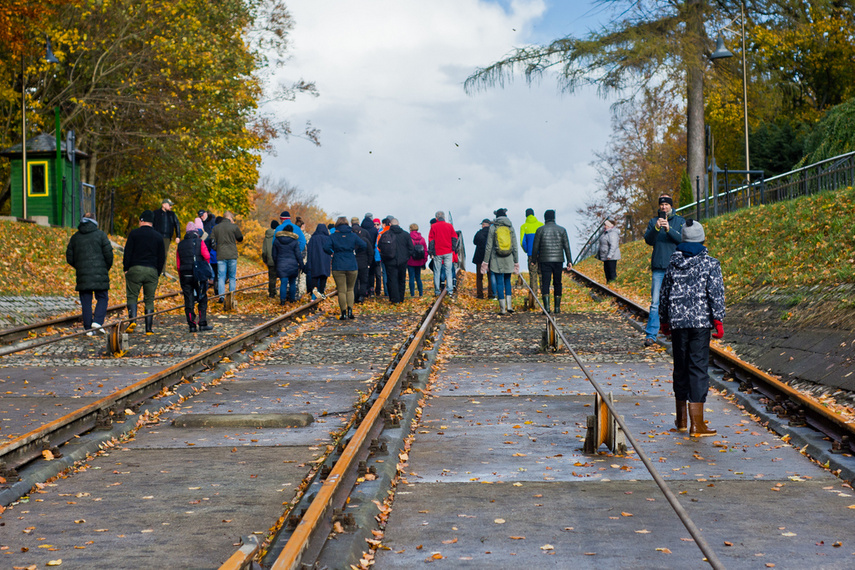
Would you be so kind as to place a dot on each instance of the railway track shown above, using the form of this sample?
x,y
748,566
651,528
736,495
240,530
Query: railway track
x,y
494,439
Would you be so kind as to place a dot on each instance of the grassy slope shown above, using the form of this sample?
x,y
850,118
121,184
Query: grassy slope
x,y
799,243
32,262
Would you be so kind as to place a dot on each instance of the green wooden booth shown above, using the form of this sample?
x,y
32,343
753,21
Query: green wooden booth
x,y
62,201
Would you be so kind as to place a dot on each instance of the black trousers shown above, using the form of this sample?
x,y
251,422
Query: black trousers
x,y
272,291
610,269
396,278
691,349
375,279
101,298
361,290
550,270
198,291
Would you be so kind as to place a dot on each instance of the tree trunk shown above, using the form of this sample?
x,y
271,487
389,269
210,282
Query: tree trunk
x,y
695,162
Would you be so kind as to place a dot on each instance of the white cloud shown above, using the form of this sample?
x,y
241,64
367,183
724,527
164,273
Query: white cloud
x,y
400,136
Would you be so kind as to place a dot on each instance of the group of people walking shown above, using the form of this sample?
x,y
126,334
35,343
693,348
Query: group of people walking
x,y
497,257
367,258
205,253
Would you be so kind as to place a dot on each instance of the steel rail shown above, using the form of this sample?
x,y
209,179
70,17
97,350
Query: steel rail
x,y
684,517
311,524
27,345
817,415
29,446
9,333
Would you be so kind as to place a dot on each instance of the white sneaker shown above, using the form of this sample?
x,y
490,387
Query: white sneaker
x,y
99,328
90,333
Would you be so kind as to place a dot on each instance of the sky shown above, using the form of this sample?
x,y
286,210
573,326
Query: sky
x,y
399,136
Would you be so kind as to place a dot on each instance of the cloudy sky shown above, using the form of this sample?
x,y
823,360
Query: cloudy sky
x,y
400,136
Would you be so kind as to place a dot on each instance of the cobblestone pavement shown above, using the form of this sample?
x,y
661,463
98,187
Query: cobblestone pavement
x,y
170,343
490,337
17,310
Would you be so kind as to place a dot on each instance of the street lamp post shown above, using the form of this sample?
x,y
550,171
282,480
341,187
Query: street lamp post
x,y
722,52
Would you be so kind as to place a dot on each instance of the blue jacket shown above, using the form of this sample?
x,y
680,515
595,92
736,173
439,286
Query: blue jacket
x,y
301,237
318,261
343,247
286,252
664,243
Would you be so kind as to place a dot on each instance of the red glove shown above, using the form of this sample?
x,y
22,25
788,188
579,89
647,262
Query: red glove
x,y
719,329
665,329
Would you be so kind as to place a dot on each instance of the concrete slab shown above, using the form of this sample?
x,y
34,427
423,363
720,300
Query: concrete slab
x,y
194,506
622,524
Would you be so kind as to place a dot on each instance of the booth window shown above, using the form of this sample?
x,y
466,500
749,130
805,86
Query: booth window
x,y
38,179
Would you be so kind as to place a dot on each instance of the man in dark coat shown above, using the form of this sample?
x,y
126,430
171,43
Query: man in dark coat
x,y
664,234
289,262
167,225
142,263
90,253
551,247
480,241
363,261
375,276
396,265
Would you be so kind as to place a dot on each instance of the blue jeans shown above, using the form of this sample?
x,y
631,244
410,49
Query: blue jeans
x,y
415,274
653,320
440,263
224,267
501,288
288,288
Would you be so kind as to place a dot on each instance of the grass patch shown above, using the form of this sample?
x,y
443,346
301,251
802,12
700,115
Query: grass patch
x,y
798,243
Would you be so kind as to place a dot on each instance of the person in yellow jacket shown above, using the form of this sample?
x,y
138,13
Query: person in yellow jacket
x,y
527,231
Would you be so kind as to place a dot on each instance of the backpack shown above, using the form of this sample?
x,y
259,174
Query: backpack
x,y
418,252
386,245
503,241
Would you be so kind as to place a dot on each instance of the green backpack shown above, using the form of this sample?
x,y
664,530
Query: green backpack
x,y
504,245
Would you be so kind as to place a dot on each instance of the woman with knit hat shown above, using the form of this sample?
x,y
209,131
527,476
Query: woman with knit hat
x,y
191,250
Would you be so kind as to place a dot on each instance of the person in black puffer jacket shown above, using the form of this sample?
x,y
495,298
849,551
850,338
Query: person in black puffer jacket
x,y
551,247
396,267
189,248
289,262
480,241
343,248
363,262
691,304
90,253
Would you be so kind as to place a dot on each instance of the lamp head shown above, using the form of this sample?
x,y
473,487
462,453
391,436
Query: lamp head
x,y
720,52
49,57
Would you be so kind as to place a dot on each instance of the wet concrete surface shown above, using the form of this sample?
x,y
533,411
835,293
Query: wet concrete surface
x,y
496,476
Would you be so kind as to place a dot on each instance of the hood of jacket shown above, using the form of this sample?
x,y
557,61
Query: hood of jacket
x,y
688,255
322,230
530,225
285,236
343,229
396,229
87,226
503,221
269,232
415,235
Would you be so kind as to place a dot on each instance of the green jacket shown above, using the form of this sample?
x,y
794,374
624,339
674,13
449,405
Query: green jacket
x,y
267,248
527,231
89,252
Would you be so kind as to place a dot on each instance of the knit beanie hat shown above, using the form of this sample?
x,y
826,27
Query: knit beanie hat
x,y
501,212
191,227
549,216
198,223
147,216
529,212
693,232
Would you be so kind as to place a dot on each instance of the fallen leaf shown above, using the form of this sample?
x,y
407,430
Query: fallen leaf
x,y
517,537
643,531
547,547
49,457
499,521
57,562
665,550
452,541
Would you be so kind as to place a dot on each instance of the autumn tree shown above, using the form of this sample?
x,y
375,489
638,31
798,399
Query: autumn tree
x,y
273,196
163,96
644,158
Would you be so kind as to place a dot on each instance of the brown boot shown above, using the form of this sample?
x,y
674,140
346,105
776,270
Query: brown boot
x,y
696,416
682,416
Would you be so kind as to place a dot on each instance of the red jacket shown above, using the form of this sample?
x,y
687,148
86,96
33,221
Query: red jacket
x,y
440,234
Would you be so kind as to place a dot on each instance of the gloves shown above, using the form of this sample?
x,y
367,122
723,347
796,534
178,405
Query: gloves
x,y
665,329
484,268
517,268
719,329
